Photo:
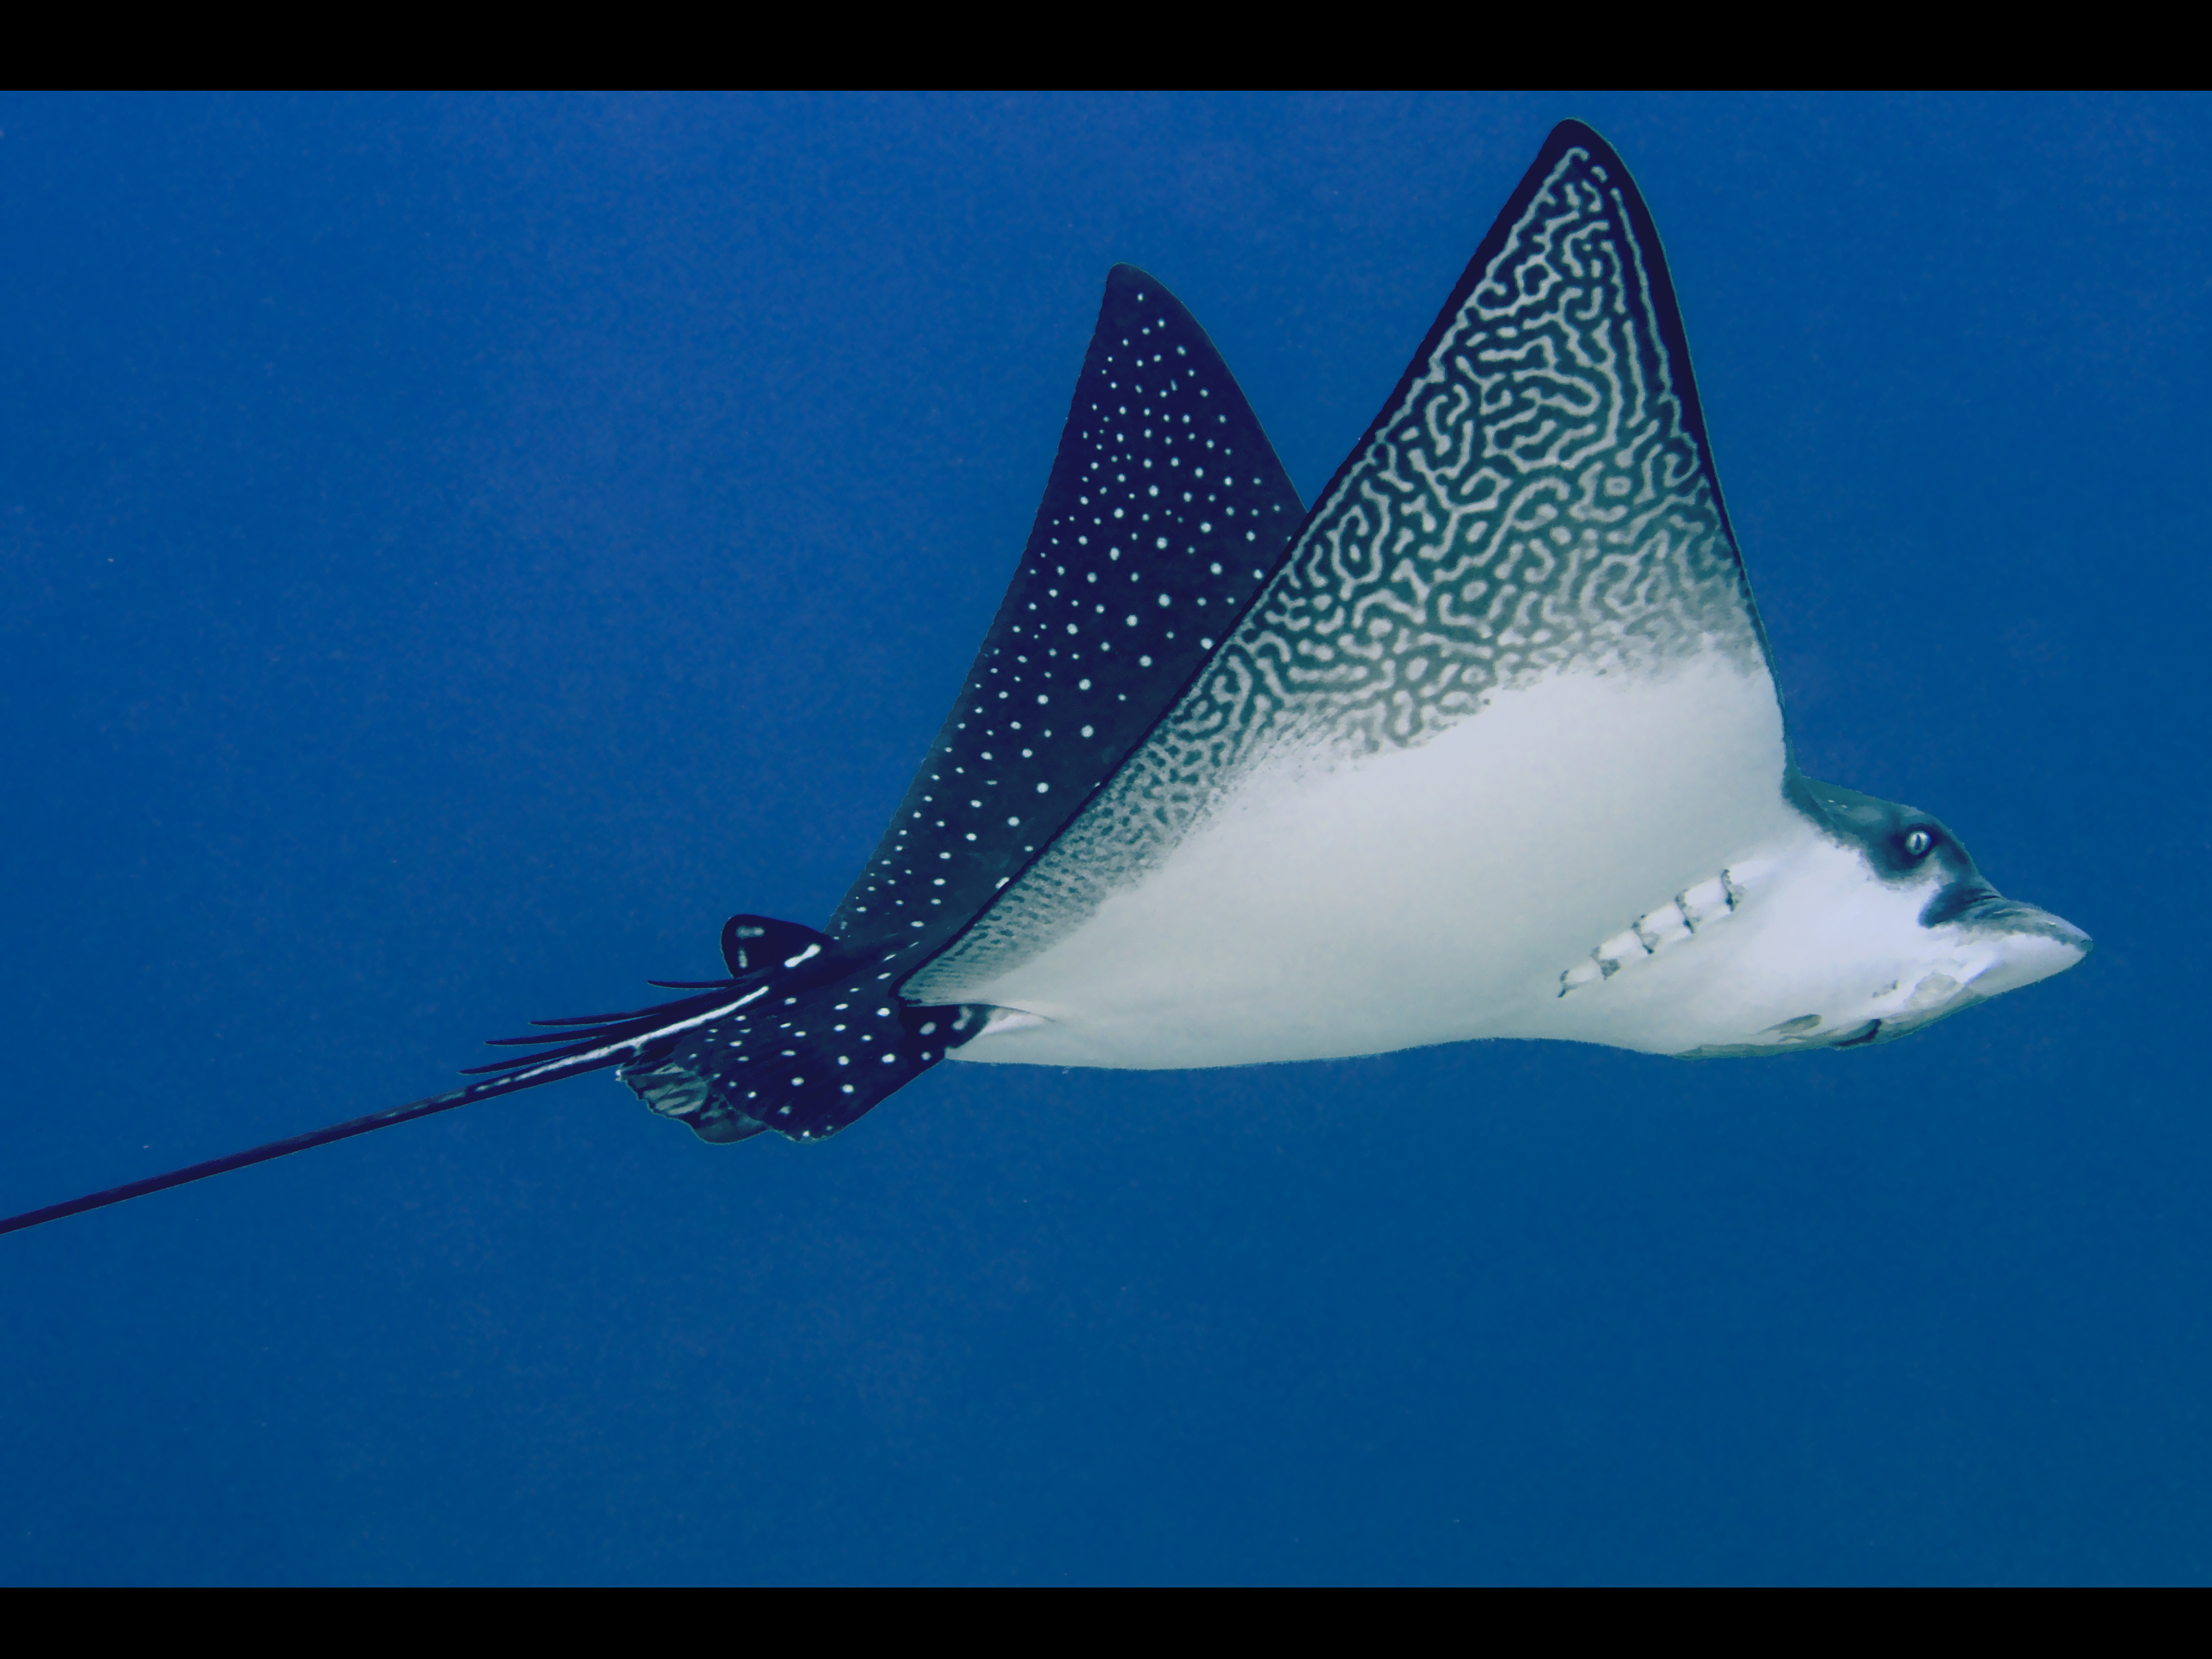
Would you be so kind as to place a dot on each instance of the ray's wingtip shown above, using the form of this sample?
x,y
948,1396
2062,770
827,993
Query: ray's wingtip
x,y
1572,131
1121,277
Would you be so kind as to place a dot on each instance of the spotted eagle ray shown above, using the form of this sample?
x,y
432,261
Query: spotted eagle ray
x,y
1486,744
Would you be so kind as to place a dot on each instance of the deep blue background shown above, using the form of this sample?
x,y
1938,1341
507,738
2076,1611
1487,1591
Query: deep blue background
x,y
458,550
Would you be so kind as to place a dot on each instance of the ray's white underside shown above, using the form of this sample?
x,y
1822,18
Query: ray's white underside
x,y
1333,906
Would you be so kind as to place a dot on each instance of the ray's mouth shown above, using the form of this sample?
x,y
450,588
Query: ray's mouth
x,y
1966,901
1981,907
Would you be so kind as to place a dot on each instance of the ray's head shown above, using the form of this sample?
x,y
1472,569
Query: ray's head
x,y
1881,923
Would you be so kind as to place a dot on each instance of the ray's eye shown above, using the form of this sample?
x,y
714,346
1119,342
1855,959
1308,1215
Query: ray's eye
x,y
1917,843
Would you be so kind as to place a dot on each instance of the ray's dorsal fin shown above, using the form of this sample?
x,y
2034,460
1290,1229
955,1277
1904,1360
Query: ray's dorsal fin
x,y
750,943
1166,511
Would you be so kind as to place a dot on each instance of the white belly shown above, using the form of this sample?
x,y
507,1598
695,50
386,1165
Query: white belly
x,y
1425,894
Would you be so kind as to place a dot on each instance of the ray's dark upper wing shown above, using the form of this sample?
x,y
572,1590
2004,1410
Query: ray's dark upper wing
x,y
1165,512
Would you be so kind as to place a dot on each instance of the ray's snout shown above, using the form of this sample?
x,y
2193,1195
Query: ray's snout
x,y
2031,944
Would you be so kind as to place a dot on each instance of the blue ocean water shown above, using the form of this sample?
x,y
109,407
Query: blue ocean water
x,y
459,551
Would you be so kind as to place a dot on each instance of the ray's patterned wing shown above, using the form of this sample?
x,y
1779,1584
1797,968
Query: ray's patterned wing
x,y
1537,493
1165,512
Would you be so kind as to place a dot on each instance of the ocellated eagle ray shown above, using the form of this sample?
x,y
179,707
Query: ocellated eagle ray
x,y
1488,744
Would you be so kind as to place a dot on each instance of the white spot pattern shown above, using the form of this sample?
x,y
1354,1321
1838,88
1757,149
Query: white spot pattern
x,y
1159,442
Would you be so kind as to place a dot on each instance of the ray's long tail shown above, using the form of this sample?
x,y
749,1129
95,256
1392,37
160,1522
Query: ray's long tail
x,y
801,1038
214,1166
